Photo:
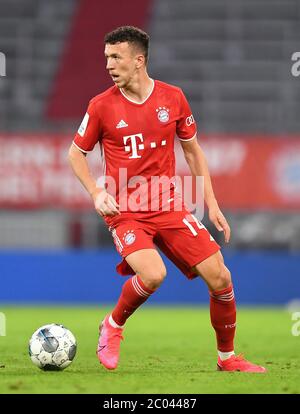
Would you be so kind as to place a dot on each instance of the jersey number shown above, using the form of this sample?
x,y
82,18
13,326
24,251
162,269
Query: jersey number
x,y
191,227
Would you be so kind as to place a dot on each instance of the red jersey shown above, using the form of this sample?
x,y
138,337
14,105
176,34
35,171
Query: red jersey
x,y
136,139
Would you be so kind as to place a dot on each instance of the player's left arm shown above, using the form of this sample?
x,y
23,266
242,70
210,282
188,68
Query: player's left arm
x,y
196,160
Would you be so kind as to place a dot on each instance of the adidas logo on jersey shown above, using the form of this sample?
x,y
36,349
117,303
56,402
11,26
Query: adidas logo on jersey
x,y
122,124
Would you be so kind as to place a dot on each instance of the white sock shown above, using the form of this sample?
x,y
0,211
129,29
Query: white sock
x,y
225,355
113,323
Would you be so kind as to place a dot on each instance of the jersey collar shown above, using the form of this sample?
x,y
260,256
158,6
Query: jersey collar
x,y
135,102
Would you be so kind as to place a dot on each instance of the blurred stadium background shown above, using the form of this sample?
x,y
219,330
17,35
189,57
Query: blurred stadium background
x,y
233,61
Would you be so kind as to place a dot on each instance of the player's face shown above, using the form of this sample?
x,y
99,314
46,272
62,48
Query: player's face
x,y
121,63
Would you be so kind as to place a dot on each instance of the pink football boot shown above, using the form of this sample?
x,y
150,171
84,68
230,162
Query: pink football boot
x,y
238,363
109,344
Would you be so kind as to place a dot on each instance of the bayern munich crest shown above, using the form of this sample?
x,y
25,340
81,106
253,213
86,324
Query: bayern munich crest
x,y
129,237
163,114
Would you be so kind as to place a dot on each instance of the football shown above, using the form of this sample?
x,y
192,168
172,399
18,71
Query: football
x,y
52,347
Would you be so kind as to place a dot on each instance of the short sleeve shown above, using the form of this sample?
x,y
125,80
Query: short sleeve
x,y
186,127
89,132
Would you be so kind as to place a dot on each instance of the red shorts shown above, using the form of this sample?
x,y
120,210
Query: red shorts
x,y
178,234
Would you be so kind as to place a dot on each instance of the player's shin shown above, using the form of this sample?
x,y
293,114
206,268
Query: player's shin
x,y
134,294
223,318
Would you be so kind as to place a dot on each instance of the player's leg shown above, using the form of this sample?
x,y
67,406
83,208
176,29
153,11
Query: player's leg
x,y
223,313
142,260
192,249
148,264
214,272
222,302
149,272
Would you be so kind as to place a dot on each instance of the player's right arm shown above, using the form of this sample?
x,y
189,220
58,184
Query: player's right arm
x,y
104,203
85,140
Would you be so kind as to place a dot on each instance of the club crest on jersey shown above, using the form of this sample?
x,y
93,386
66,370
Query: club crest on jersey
x,y
163,114
129,237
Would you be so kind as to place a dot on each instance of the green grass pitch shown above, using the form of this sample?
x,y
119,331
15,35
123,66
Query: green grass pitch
x,y
167,350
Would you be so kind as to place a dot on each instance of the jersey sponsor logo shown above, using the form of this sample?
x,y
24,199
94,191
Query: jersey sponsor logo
x,y
83,125
122,124
129,237
133,144
163,114
190,120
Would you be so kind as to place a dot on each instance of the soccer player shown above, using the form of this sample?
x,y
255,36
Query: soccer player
x,y
136,122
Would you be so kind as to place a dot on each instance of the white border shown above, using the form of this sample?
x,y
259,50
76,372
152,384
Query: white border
x,y
79,148
189,139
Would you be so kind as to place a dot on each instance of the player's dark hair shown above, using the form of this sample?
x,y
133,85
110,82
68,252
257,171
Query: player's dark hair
x,y
129,34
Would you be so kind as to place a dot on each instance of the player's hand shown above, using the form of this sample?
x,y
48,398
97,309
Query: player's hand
x,y
216,216
105,204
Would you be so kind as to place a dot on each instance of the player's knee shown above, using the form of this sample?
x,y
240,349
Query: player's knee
x,y
222,278
153,278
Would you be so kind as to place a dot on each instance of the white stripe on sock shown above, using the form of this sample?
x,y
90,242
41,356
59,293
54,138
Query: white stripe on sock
x,y
138,288
226,297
